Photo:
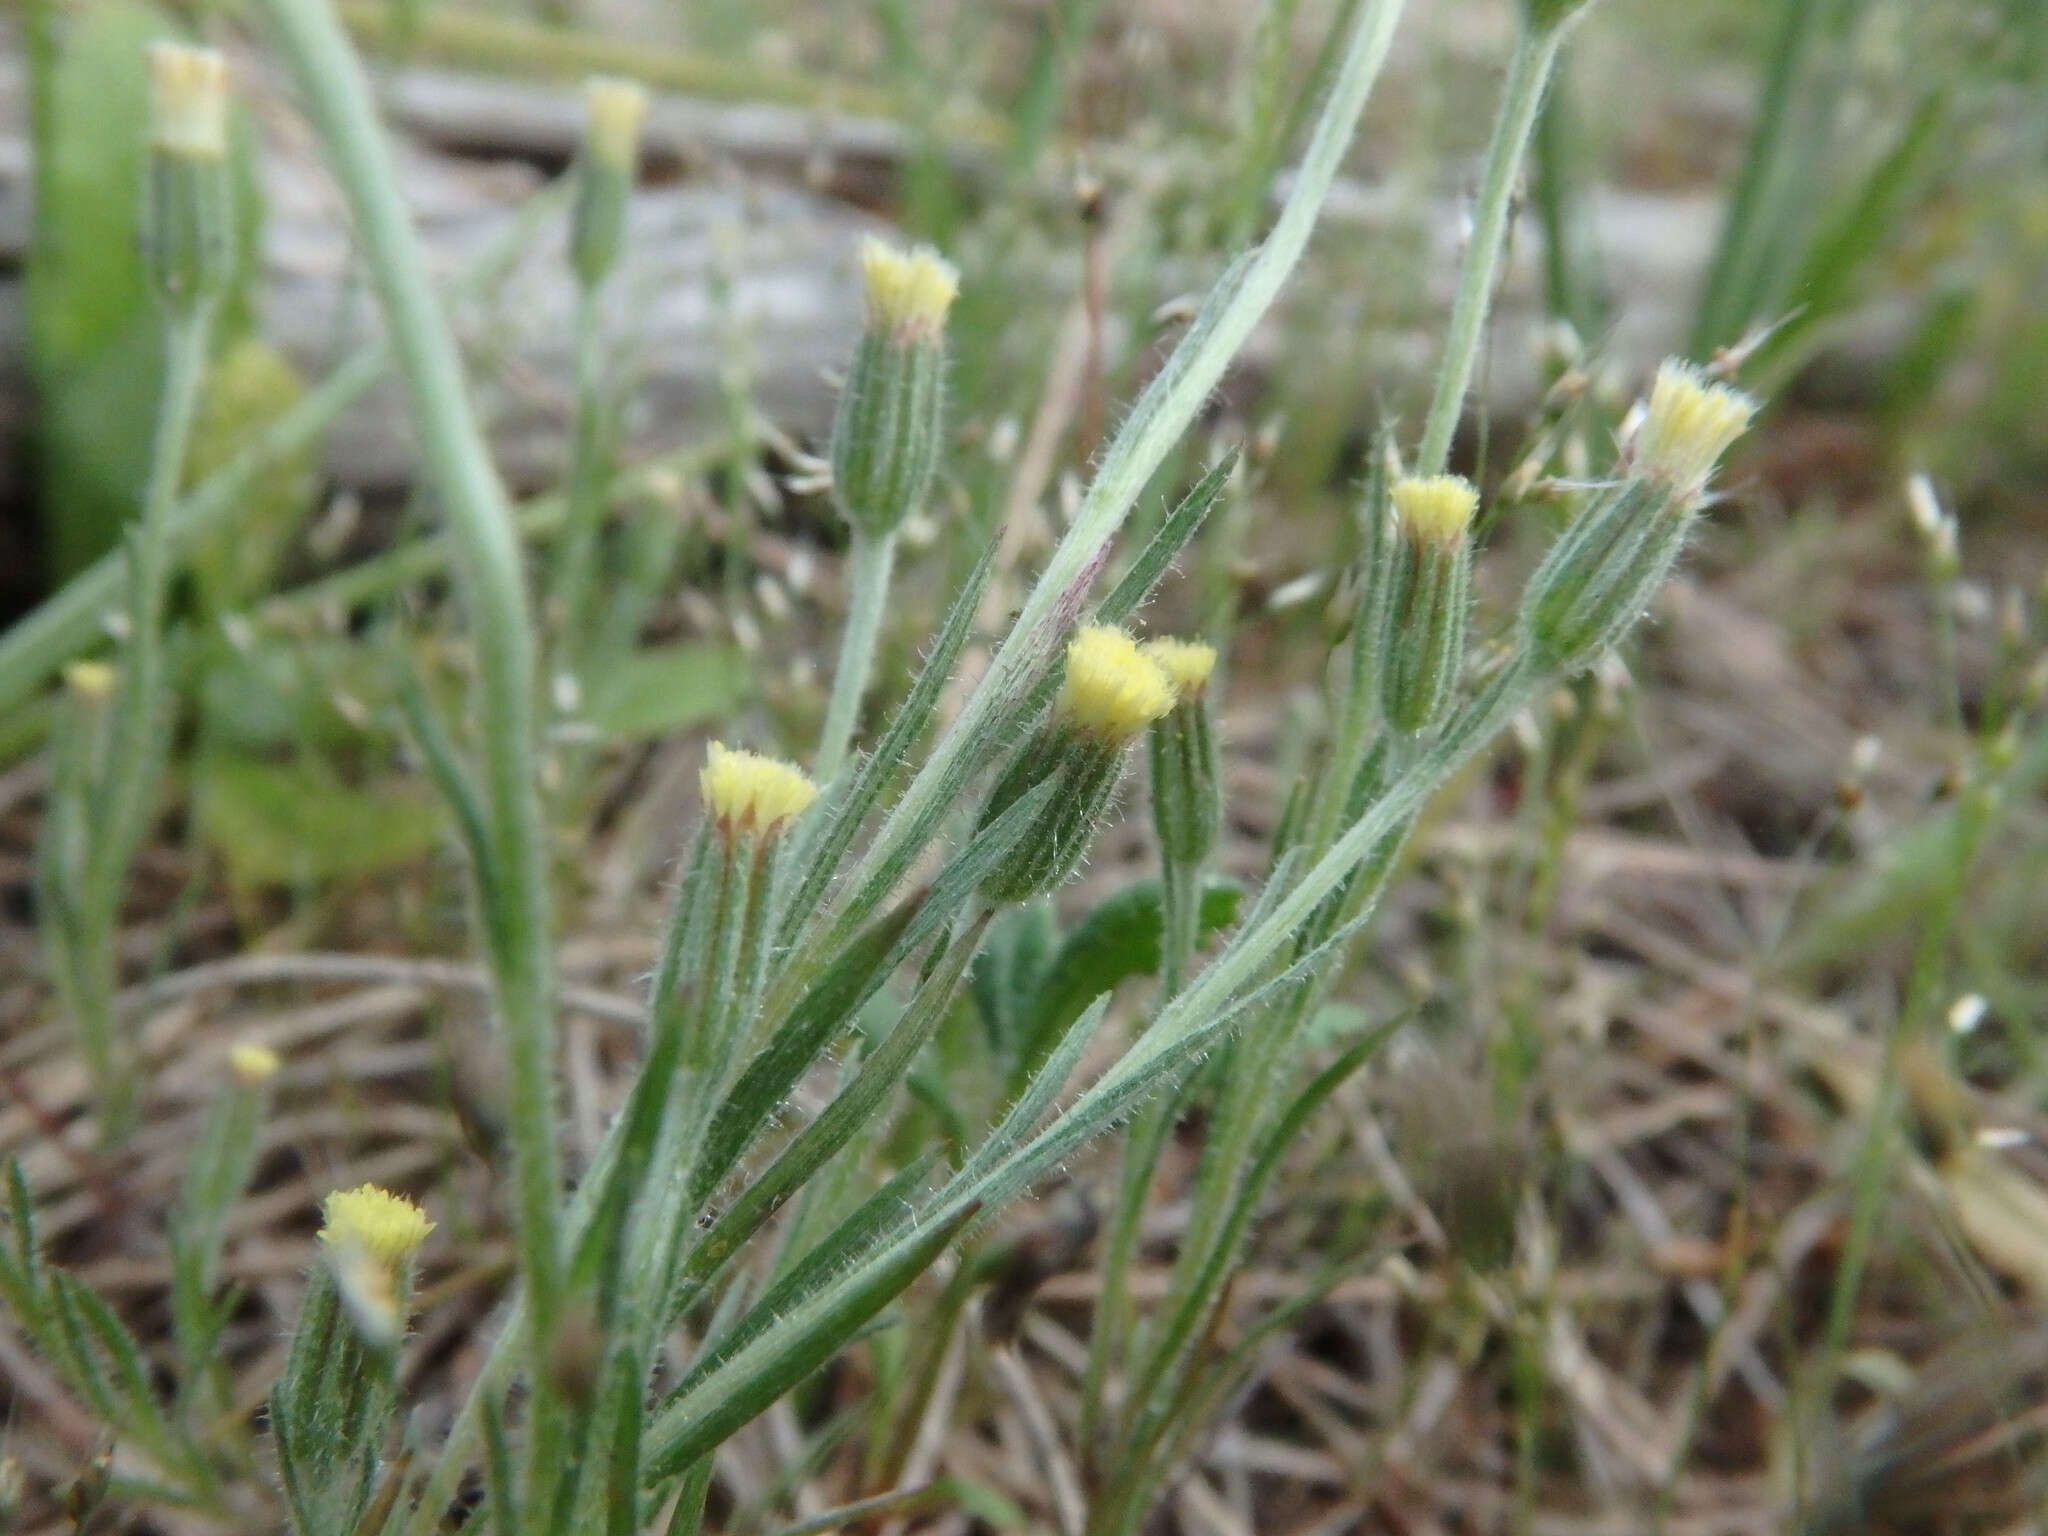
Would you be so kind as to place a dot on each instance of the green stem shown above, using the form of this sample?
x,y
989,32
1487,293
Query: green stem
x,y
1872,1168
1528,72
576,563
125,800
1180,892
516,920
869,563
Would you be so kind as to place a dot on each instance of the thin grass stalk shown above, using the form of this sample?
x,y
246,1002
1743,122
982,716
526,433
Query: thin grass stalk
x,y
1781,148
1247,1100
1536,49
583,516
487,557
870,561
1870,1174
1180,898
1149,434
124,801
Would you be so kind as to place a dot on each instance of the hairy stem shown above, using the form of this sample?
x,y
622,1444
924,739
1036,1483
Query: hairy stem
x,y
516,919
1528,72
125,799
576,563
869,563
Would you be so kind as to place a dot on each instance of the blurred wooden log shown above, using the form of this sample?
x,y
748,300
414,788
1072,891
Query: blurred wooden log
x,y
740,267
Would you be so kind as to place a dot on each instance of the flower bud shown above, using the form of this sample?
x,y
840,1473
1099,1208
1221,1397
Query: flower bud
x,y
885,438
745,792
333,1403
91,681
370,1236
1187,800
385,1227
1614,555
187,222
251,1064
614,111
1431,598
1688,425
1111,691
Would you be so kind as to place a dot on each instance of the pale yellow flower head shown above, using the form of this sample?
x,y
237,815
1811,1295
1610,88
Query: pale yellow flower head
x,y
908,292
374,1223
1690,423
188,101
747,792
615,109
252,1064
90,680
1435,509
1112,688
1186,663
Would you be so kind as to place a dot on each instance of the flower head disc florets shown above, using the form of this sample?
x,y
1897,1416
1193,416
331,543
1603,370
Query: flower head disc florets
x,y
1690,423
747,792
252,1064
908,292
1186,663
188,91
1435,509
374,1222
1112,688
615,109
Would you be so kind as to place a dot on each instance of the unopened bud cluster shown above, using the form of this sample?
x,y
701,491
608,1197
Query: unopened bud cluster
x,y
1111,691
1604,569
886,436
614,111
187,222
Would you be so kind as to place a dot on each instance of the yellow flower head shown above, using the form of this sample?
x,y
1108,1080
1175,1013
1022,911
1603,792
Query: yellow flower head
x,y
1112,688
90,680
188,101
253,1065
1689,425
1435,509
1186,663
375,1223
616,109
745,791
909,292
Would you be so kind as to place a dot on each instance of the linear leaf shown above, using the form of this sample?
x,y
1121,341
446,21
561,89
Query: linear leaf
x,y
745,1383
880,1073
876,768
1166,544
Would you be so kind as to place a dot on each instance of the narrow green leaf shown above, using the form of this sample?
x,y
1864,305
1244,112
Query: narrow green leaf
x,y
662,689
875,1219
743,1384
835,999
878,767
1165,545
297,823
1160,1378
1117,940
880,1073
